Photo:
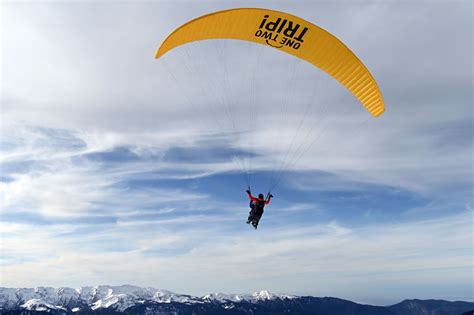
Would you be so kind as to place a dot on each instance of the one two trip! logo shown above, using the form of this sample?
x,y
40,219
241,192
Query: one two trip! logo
x,y
281,32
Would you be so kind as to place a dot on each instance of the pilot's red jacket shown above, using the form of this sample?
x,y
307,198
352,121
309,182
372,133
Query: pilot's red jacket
x,y
256,199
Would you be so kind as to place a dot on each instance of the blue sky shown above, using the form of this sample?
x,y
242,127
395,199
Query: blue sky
x,y
117,168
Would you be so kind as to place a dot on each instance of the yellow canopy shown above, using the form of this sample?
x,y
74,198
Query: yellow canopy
x,y
290,34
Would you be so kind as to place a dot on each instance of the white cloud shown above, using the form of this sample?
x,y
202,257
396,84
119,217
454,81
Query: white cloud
x,y
323,253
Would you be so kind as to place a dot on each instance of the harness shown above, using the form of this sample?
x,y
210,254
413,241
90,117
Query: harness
x,y
259,205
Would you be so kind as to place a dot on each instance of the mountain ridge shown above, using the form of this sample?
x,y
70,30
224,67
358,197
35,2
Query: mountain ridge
x,y
129,299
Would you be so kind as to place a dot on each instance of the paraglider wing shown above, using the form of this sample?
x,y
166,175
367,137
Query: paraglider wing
x,y
290,34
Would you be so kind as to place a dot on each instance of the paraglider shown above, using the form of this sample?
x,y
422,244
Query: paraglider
x,y
294,36
257,205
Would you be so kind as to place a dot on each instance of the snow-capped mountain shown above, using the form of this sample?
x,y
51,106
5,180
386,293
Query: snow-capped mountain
x,y
257,296
118,298
129,299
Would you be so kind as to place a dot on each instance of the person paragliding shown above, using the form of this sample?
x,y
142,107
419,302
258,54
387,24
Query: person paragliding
x,y
289,34
257,205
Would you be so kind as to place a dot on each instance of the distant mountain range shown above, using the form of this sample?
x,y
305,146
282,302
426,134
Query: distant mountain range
x,y
129,299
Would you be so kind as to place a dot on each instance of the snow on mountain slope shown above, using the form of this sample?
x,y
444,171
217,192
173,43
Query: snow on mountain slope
x,y
40,305
257,296
265,295
223,297
145,301
116,297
